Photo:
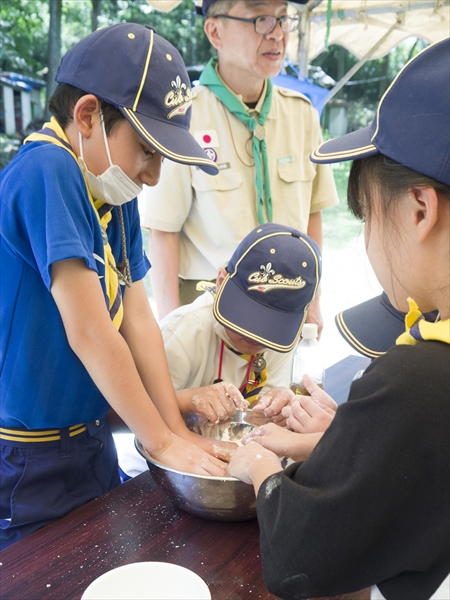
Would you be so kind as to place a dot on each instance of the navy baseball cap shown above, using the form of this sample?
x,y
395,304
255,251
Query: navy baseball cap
x,y
412,123
207,3
272,279
372,327
140,73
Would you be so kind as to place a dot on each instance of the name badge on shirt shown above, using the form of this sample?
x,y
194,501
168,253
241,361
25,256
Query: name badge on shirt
x,y
222,166
285,160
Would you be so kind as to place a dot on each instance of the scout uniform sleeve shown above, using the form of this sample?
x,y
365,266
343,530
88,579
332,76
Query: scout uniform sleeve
x,y
166,206
189,345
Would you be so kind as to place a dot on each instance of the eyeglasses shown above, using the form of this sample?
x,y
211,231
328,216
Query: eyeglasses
x,y
266,24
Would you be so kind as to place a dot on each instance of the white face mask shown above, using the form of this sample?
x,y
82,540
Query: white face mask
x,y
112,186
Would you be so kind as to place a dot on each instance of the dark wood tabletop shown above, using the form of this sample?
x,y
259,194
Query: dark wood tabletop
x,y
137,522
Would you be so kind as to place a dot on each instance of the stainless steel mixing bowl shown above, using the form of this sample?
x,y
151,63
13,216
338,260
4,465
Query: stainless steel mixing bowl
x,y
215,498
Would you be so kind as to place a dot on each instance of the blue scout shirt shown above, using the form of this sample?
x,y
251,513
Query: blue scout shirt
x,y
46,216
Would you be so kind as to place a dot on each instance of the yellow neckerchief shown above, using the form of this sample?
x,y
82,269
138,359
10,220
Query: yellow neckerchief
x,y
53,133
417,329
255,380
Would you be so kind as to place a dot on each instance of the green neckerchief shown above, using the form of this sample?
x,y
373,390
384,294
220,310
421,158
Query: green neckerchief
x,y
211,79
417,329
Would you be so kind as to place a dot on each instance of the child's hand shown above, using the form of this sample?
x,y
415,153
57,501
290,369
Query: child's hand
x,y
310,414
318,394
218,402
184,455
272,402
252,463
212,445
279,440
283,442
306,416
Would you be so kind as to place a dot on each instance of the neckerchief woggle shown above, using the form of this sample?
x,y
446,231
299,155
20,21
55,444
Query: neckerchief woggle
x,y
211,79
53,133
251,389
419,330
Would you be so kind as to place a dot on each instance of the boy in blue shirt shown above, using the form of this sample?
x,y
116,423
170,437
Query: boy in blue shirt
x,y
77,333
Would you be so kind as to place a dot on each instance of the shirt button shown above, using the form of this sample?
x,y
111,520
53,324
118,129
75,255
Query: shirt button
x,y
97,423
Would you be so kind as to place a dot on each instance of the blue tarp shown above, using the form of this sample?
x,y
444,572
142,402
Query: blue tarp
x,y
315,93
21,81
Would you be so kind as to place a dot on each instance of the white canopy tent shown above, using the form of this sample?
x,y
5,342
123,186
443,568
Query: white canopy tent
x,y
358,25
367,28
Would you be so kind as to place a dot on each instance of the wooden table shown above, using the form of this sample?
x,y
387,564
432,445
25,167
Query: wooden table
x,y
138,522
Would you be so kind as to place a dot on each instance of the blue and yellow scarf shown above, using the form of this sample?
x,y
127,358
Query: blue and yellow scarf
x,y
53,133
418,329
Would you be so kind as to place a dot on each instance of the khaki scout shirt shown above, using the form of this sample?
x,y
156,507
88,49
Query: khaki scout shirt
x,y
214,213
192,342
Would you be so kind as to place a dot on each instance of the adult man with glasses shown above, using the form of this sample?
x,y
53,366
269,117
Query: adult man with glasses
x,y
260,137
266,24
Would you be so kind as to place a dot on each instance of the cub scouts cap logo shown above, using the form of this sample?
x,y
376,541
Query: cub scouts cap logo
x,y
412,124
140,73
272,279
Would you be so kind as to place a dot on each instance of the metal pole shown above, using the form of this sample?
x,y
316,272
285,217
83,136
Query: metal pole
x,y
303,44
303,36
381,10
340,84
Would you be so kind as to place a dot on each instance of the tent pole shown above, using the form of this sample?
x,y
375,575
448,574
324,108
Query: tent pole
x,y
303,44
340,84
303,37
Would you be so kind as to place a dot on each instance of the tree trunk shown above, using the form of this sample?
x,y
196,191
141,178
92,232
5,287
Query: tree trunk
x,y
54,49
96,5
193,37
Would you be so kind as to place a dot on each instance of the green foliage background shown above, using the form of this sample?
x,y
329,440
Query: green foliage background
x,y
24,30
23,49
24,25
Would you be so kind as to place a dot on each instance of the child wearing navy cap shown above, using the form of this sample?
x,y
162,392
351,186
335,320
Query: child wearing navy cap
x,y
366,515
77,334
235,341
232,347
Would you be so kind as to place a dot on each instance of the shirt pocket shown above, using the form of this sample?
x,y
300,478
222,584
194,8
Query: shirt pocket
x,y
221,206
226,180
296,182
298,170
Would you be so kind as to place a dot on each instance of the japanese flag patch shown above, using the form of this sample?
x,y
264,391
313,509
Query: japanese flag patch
x,y
207,138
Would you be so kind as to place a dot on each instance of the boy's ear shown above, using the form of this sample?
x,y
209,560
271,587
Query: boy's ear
x,y
221,274
85,112
212,31
426,210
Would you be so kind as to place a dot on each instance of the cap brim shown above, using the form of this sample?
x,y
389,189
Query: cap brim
x,y
170,140
271,328
371,327
351,146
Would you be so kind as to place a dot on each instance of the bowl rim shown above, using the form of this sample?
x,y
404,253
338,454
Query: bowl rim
x,y
143,452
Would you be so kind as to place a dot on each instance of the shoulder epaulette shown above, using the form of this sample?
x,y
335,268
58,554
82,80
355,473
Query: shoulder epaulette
x,y
288,93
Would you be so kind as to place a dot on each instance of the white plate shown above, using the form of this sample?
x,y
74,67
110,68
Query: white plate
x,y
148,581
